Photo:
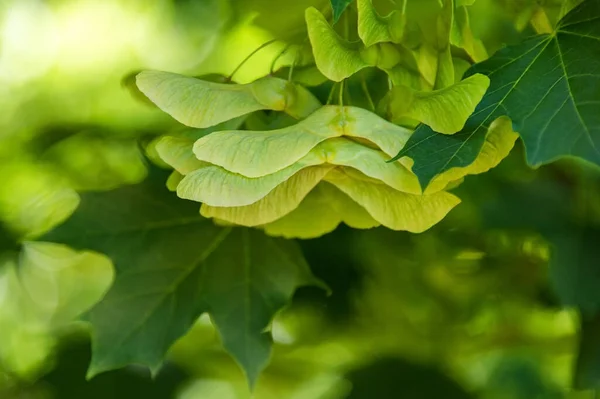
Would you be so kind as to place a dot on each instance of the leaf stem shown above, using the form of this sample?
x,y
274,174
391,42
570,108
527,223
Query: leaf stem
x,y
291,72
363,85
341,94
262,46
346,26
348,94
281,53
330,96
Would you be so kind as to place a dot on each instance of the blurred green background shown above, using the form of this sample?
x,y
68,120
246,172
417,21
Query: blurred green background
x,y
469,309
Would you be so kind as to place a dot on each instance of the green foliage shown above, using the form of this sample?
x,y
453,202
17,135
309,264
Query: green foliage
x,y
185,264
272,148
225,176
335,57
45,288
195,220
445,110
373,28
527,81
462,34
202,104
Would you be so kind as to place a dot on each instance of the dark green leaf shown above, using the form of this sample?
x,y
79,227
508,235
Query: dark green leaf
x,y
521,377
587,369
8,242
68,381
575,268
524,206
543,206
549,85
338,7
398,378
171,266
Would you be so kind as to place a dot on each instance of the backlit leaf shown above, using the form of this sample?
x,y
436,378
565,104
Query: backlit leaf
x,y
200,104
373,28
335,57
462,36
350,212
173,180
177,152
313,218
260,153
393,209
445,110
371,162
321,211
282,200
61,283
216,186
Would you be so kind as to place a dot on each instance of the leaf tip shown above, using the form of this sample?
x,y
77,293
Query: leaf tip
x,y
155,370
253,374
94,370
140,78
338,7
424,181
322,285
403,152
312,12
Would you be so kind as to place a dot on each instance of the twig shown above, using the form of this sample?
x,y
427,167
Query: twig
x,y
281,53
363,84
262,46
330,96
293,65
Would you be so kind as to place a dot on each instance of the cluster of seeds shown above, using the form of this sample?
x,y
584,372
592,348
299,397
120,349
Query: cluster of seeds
x,y
330,164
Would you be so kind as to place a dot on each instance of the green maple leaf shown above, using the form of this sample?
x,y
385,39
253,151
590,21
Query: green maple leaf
x,y
338,7
172,266
549,85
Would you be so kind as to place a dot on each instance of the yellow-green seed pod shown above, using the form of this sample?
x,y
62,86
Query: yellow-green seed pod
x,y
201,104
381,55
274,94
389,56
445,110
397,26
